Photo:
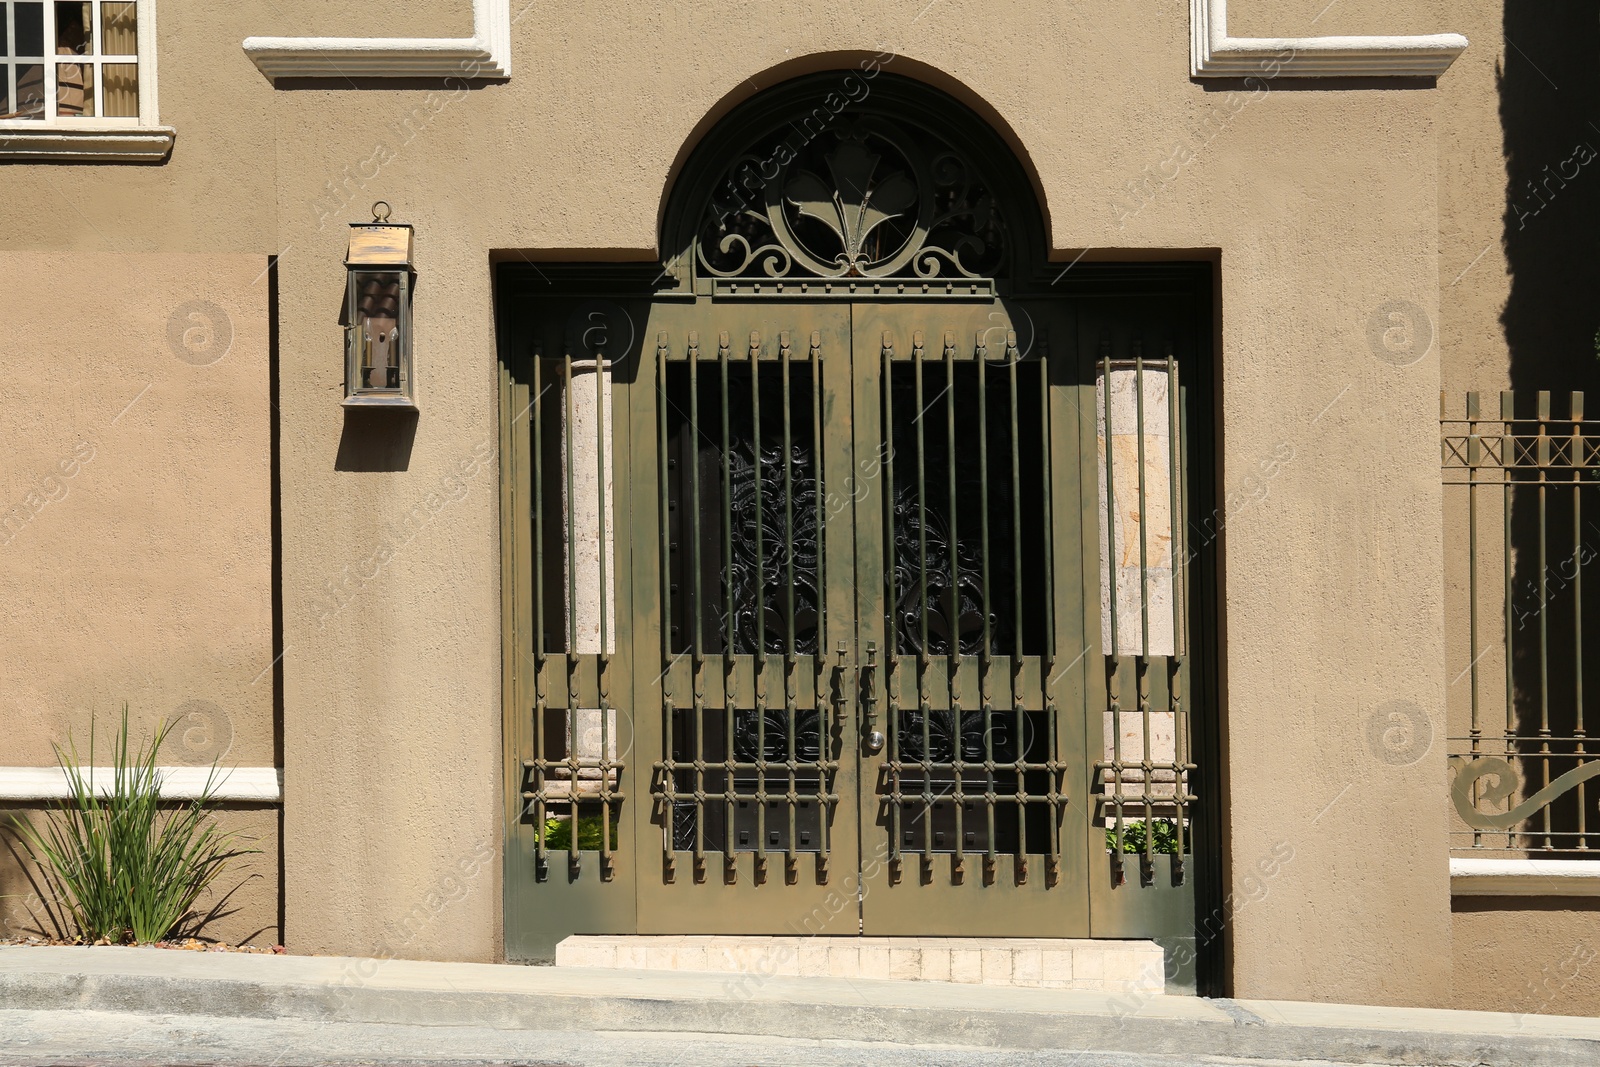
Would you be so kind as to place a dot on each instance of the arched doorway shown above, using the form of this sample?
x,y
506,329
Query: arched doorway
x,y
847,583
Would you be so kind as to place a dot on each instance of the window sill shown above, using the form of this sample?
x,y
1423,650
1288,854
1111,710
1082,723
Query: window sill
x,y
117,144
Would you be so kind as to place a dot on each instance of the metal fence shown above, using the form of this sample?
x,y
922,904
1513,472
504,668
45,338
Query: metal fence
x,y
1522,533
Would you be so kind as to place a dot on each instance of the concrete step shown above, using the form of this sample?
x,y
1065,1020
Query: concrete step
x,y
1028,962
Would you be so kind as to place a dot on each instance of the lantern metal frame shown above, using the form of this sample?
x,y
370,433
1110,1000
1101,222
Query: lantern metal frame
x,y
379,249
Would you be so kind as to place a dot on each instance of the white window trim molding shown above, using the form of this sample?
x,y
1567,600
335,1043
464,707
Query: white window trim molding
x,y
1213,54
141,140
1471,877
112,144
254,784
486,54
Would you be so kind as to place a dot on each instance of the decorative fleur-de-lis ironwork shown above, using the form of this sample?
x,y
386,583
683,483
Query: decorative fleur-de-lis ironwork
x,y
870,199
856,202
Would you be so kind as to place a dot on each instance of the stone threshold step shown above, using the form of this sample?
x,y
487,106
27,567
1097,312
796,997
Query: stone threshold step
x,y
1030,962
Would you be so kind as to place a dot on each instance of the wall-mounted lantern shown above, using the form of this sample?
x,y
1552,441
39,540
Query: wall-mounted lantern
x,y
377,369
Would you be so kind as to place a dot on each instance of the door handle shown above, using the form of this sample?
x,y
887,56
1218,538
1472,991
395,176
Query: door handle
x,y
840,687
870,733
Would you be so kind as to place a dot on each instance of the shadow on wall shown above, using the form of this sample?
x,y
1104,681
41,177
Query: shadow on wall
x,y
376,440
1548,84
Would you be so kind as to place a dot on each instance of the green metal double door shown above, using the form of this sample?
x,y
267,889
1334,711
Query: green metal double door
x,y
854,679
873,555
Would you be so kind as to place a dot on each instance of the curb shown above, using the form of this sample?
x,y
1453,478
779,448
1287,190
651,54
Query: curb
x,y
973,1016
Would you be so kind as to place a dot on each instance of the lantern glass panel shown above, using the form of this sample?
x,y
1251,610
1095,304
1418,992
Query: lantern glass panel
x,y
379,323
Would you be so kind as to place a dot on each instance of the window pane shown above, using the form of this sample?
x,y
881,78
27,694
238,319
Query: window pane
x,y
120,86
30,92
5,90
72,29
30,29
118,30
74,89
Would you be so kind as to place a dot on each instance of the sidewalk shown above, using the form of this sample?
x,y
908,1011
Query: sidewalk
x,y
654,1012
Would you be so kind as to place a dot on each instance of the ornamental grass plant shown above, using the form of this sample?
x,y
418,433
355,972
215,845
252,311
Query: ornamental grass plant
x,y
122,865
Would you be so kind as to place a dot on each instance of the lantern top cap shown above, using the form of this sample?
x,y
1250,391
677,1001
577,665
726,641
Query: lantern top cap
x,y
379,243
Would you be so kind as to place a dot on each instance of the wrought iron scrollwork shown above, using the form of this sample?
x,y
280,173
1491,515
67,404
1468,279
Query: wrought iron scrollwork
x,y
954,607
862,199
762,582
956,736
1506,785
773,742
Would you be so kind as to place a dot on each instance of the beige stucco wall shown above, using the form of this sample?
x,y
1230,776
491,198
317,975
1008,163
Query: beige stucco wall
x,y
1534,956
136,556
1321,203
135,543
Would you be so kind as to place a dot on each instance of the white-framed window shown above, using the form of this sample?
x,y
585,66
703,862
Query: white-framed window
x,y
85,64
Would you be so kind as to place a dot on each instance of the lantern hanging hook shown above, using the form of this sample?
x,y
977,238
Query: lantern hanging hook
x,y
380,211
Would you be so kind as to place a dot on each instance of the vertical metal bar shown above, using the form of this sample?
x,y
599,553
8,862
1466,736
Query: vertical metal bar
x,y
1544,606
697,584
729,609
784,375
1579,463
664,506
791,798
573,763
1508,447
1144,512
541,767
1048,651
1474,457
1144,613
761,626
1175,476
892,614
1047,663
730,701
824,742
1113,682
600,399
922,486
958,800
693,459
1043,341
1111,499
1175,522
923,702
1013,357
981,358
986,651
729,624
603,660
